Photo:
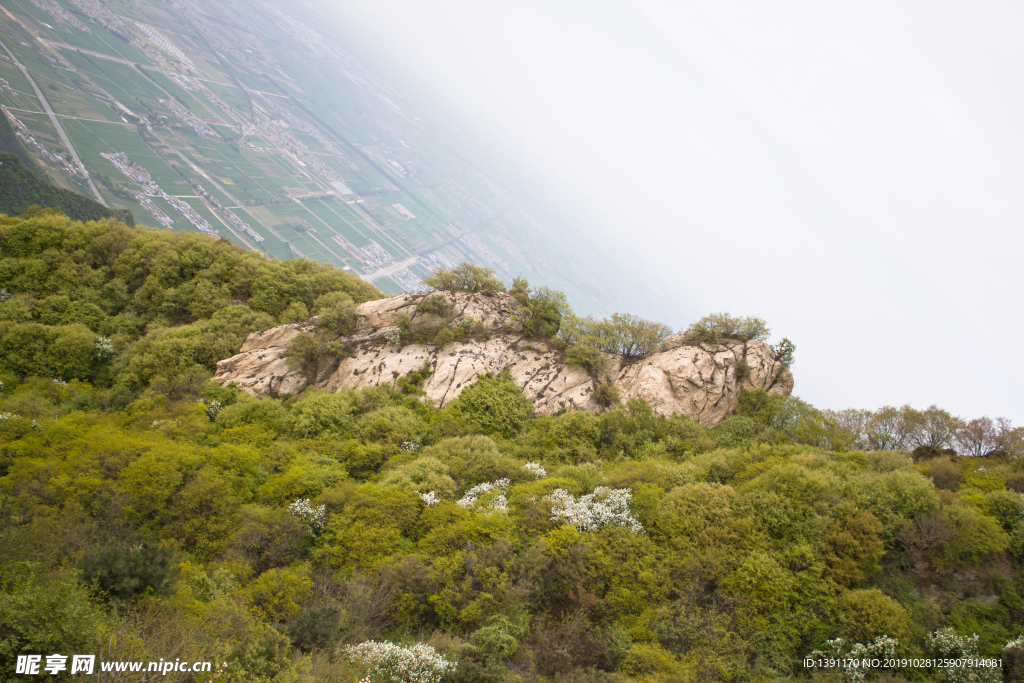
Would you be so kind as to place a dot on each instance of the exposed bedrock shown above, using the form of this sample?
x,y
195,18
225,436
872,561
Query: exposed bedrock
x,y
683,376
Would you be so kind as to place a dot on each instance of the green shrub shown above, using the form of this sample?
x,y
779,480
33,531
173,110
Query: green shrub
x,y
784,351
305,351
743,370
123,571
495,405
443,338
44,612
587,357
606,394
338,318
543,310
436,304
315,628
412,383
296,312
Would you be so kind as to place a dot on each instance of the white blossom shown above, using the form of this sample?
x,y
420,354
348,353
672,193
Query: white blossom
x,y
4,417
881,647
1018,643
392,336
947,644
104,348
409,446
315,517
469,499
60,382
430,498
419,663
535,469
498,503
593,511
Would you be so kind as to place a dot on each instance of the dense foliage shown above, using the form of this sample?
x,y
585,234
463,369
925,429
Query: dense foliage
x,y
323,537
126,308
466,277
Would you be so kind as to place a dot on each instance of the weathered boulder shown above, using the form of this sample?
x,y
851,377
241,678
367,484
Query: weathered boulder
x,y
683,376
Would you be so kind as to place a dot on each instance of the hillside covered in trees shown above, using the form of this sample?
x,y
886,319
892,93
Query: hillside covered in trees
x,y
148,513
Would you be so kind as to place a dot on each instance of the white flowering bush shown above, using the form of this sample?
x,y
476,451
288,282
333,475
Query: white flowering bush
x,y
409,446
392,336
315,517
430,498
947,644
496,503
59,382
536,469
103,348
882,647
593,511
7,417
385,661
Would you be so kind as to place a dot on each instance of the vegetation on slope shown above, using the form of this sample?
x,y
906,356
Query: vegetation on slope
x,y
126,308
20,191
190,520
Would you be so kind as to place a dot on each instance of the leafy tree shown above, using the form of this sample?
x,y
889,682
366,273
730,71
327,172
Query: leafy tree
x,y
863,615
623,333
466,277
713,327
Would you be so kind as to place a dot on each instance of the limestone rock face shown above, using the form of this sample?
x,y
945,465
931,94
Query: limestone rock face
x,y
683,376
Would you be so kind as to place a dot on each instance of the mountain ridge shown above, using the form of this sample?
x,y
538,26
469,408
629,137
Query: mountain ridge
x,y
683,376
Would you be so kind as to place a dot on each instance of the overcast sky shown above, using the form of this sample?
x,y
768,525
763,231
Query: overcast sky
x,y
852,172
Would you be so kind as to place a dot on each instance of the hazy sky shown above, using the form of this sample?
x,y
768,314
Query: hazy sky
x,y
852,172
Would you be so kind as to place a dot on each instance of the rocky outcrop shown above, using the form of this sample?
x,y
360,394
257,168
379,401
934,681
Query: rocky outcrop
x,y
683,376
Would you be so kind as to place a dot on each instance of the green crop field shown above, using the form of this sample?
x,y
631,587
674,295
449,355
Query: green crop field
x,y
233,96
196,103
388,286
92,137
